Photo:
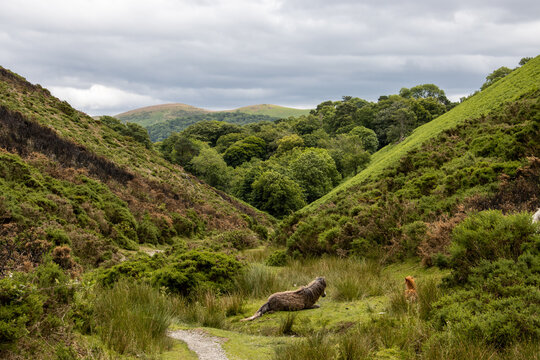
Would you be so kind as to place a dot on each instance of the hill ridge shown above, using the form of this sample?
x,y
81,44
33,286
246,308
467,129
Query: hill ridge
x,y
478,105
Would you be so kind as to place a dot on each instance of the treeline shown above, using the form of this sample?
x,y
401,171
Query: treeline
x,y
280,166
163,130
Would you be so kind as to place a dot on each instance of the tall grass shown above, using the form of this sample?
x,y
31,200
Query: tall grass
x,y
259,281
286,324
133,318
347,279
314,347
210,309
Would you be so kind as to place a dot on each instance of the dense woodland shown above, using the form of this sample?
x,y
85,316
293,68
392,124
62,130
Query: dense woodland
x,y
106,241
281,166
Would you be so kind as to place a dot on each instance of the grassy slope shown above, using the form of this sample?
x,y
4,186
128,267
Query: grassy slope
x,y
272,110
509,88
150,115
37,105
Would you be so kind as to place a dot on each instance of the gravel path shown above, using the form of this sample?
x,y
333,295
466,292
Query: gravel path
x,y
206,347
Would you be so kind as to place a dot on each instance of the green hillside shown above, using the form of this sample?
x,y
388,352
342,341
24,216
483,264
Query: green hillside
x,y
510,88
163,120
150,115
410,182
272,110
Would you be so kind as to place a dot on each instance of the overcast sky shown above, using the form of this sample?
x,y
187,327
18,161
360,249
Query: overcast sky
x,y
110,56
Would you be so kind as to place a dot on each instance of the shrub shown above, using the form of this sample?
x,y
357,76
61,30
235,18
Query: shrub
x,y
239,239
147,231
198,269
183,225
277,258
57,236
499,304
20,306
488,235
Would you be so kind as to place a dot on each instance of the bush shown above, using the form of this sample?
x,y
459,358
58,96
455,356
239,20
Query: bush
x,y
180,273
198,269
20,306
277,258
239,239
489,235
499,305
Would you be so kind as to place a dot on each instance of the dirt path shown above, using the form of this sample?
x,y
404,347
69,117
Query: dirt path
x,y
206,347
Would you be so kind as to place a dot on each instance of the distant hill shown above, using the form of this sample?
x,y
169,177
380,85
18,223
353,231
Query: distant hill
x,y
272,110
162,120
150,115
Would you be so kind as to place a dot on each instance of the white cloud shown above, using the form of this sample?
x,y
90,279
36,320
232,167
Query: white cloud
x,y
98,98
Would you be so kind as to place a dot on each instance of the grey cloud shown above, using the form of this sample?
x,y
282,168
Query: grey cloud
x,y
224,54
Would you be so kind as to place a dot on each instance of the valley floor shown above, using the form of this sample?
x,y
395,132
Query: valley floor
x,y
264,337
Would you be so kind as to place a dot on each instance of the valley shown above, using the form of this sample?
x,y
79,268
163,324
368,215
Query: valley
x,y
112,239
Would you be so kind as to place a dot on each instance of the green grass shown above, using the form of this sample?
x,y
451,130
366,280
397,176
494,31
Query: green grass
x,y
150,115
133,318
272,110
517,83
179,350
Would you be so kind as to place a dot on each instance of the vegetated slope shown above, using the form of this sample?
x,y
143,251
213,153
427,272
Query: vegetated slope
x,y
150,115
70,183
410,186
272,110
163,120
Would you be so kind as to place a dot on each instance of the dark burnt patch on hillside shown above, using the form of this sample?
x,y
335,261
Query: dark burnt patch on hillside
x,y
23,136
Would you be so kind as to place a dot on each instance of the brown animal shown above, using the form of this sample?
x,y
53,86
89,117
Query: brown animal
x,y
303,298
411,294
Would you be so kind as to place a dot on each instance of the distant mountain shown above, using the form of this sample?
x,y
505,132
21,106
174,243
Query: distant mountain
x,y
163,120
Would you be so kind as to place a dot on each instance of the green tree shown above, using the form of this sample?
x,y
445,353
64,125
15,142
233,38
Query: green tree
x,y
245,149
139,134
403,122
496,76
348,154
289,142
368,138
316,172
524,60
425,91
318,138
210,131
227,140
210,166
277,194
307,124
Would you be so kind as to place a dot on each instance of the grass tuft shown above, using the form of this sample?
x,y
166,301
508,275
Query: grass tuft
x,y
133,318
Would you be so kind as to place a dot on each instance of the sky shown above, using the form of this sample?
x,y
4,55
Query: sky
x,y
111,56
